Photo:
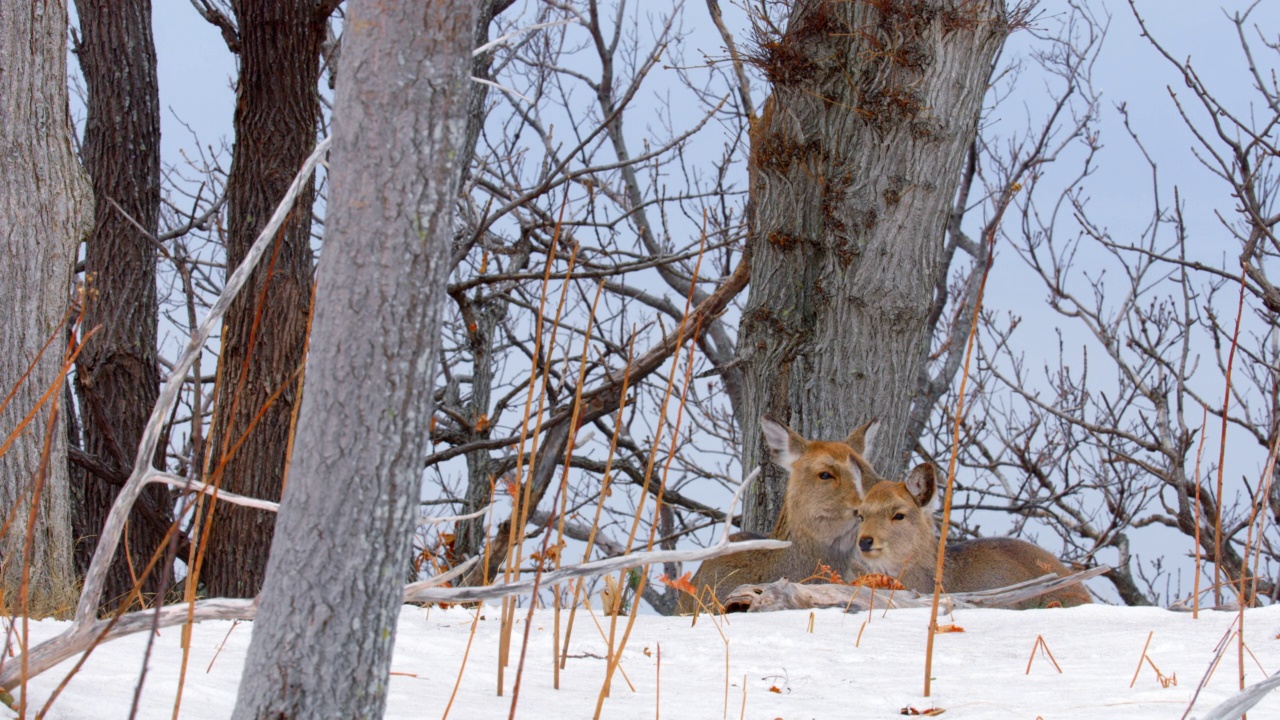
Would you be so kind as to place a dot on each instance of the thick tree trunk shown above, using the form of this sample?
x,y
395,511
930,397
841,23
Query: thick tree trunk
x,y
45,211
264,338
323,637
854,166
116,374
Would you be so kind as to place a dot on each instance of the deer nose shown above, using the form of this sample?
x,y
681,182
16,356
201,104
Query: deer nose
x,y
864,543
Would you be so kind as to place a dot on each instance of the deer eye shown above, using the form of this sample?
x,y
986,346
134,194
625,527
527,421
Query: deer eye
x,y
826,475
899,516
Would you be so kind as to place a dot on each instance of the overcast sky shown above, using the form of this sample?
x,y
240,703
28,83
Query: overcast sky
x,y
197,71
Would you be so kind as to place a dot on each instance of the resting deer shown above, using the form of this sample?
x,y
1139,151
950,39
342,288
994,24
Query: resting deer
x,y
898,537
819,514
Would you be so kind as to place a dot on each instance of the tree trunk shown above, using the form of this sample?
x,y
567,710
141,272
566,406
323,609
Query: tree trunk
x,y
323,637
854,165
264,337
116,374
488,309
45,211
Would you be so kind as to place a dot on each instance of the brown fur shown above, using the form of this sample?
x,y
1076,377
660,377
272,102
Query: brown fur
x,y
899,537
818,516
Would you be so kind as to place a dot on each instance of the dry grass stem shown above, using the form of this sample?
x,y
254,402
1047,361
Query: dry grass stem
x,y
562,494
1195,592
1222,443
742,714
604,492
955,433
680,338
600,629
522,498
657,687
1040,644
1142,657
457,683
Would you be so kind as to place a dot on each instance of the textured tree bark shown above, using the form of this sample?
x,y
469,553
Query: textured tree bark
x,y
116,374
264,338
45,211
323,637
854,165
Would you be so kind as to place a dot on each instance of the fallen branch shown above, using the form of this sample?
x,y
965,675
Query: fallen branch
x,y
51,652
416,593
1027,589
1240,703
786,595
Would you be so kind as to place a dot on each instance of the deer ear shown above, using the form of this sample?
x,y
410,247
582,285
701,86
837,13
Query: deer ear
x,y
856,472
863,437
922,484
786,444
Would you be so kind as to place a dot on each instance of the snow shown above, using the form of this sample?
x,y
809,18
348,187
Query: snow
x,y
850,666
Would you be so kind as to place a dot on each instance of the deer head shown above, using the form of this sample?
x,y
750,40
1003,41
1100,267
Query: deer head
x,y
825,487
897,525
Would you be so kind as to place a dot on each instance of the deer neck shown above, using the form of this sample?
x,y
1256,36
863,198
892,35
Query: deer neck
x,y
801,560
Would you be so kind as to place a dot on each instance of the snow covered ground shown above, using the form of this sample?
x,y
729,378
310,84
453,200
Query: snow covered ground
x,y
849,666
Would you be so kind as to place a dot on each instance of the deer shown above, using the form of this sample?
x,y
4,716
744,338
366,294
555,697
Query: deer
x,y
898,536
819,515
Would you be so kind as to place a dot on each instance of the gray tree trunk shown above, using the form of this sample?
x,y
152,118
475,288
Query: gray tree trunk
x,y
854,166
323,637
46,209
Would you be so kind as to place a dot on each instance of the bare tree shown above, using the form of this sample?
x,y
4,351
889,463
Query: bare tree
x,y
45,212
344,531
1124,432
117,374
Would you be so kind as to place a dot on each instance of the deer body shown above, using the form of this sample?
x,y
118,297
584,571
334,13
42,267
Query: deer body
x,y
898,537
819,515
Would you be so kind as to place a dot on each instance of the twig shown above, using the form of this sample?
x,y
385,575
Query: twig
x,y
455,518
